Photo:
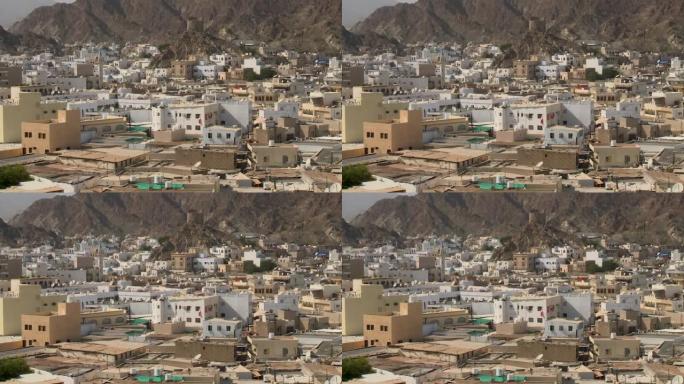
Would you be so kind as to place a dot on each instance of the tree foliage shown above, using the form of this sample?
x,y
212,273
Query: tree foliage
x,y
354,175
266,73
355,367
11,175
266,266
608,266
608,73
13,367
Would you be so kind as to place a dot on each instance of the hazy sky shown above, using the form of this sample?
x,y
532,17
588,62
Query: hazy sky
x,y
354,11
14,203
14,10
354,204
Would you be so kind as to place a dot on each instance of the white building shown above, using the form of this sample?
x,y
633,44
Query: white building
x,y
205,264
189,117
534,310
191,310
562,135
218,135
222,328
534,118
193,117
564,328
547,264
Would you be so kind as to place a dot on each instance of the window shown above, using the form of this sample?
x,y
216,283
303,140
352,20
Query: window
x,y
551,135
209,135
570,328
539,320
197,320
551,328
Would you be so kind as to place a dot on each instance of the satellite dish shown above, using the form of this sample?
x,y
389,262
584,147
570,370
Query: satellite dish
x,y
678,379
678,188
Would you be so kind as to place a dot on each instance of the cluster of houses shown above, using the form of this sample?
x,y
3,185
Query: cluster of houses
x,y
448,117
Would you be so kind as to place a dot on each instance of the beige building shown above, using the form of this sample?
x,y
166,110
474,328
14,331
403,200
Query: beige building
x,y
274,348
182,261
104,317
48,136
275,156
182,69
23,106
392,136
366,106
523,262
386,329
41,329
104,125
616,348
524,69
366,299
24,299
616,156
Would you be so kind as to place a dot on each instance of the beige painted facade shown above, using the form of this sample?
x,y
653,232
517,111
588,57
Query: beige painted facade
x,y
24,299
50,136
275,156
274,348
616,156
366,106
367,299
394,135
105,317
24,106
41,329
394,328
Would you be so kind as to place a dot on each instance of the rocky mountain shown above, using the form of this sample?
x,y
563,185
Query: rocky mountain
x,y
186,219
361,42
29,42
635,24
525,219
302,24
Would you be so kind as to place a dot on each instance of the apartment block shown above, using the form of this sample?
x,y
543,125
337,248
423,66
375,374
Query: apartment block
x,y
24,299
42,329
386,329
49,136
24,106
